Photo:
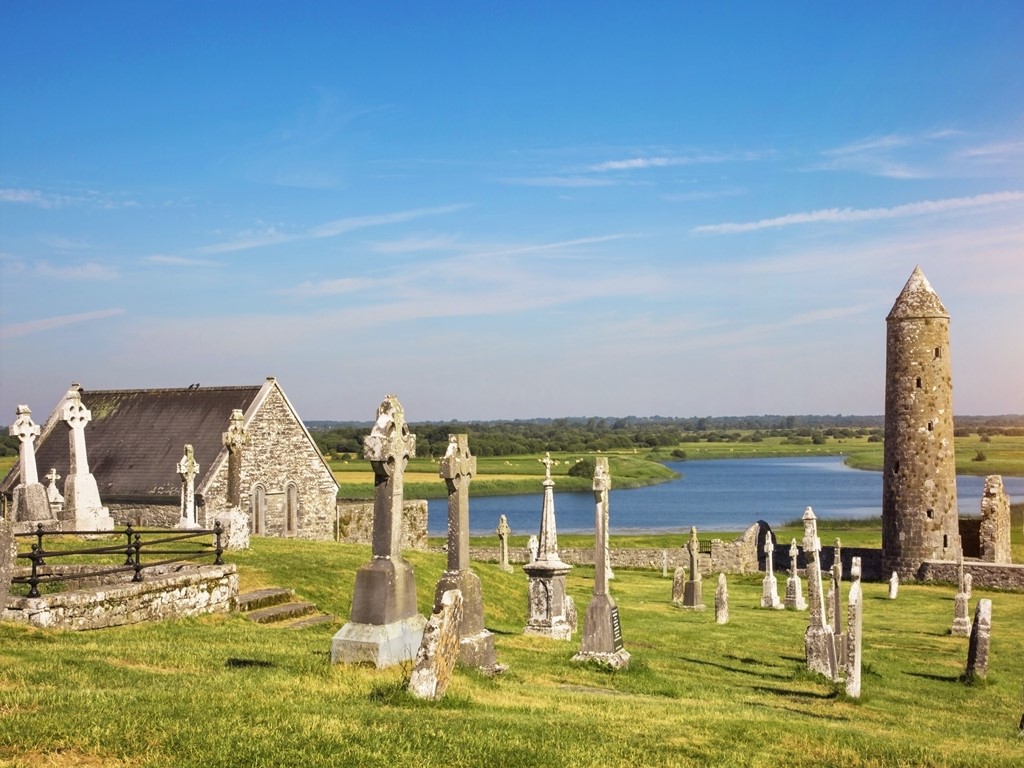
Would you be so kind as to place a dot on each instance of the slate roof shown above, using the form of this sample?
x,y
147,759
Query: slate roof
x,y
137,436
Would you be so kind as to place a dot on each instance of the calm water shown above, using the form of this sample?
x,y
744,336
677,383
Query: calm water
x,y
727,494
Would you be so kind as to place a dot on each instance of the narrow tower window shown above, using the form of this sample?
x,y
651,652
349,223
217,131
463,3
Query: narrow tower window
x,y
896,468
918,382
929,514
931,426
938,352
945,541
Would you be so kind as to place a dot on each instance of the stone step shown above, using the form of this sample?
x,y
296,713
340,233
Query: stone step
x,y
282,612
261,598
311,621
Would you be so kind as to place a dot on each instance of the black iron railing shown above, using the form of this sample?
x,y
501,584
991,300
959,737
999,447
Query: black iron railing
x,y
133,550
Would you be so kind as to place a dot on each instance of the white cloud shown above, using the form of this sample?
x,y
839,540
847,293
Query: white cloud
x,y
87,271
415,244
89,198
996,151
844,215
669,161
179,261
49,323
335,287
869,145
557,181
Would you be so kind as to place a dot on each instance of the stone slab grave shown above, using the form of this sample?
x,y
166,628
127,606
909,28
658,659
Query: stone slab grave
x,y
819,639
602,630
854,631
977,650
439,649
384,627
722,601
678,586
8,555
476,644
551,612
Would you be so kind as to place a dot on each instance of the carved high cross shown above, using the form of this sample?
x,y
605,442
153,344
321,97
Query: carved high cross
x,y
547,462
457,468
602,484
769,552
188,469
26,431
793,553
388,448
52,476
693,545
235,437
77,416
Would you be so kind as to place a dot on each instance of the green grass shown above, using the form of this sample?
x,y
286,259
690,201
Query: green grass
x,y
220,691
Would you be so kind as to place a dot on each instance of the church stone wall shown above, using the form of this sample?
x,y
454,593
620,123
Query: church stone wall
x,y
278,452
355,523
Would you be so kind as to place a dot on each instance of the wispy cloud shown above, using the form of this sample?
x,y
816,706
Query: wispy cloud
x,y
845,215
557,181
333,287
89,198
180,261
87,271
329,229
415,244
995,151
49,323
869,145
669,161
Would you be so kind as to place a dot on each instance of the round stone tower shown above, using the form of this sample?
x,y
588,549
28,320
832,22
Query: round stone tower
x,y
919,509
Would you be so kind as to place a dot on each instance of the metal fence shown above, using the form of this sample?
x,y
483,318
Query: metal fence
x,y
179,544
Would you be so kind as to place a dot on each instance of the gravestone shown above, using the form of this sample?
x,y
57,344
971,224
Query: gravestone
x,y
961,623
968,584
977,650
81,495
29,502
693,592
678,586
476,644
664,563
503,533
835,607
837,558
384,627
8,555
770,585
551,612
894,585
439,649
794,587
53,495
532,548
188,468
602,631
854,632
722,601
235,523
819,640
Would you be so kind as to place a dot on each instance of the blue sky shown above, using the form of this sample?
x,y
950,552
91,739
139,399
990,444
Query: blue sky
x,y
508,211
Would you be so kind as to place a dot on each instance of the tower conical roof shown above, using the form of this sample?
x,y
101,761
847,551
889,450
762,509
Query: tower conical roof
x,y
917,299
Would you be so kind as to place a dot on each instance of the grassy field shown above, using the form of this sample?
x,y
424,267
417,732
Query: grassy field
x,y
220,691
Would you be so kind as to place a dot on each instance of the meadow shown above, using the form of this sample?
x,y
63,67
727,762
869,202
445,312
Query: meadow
x,y
221,691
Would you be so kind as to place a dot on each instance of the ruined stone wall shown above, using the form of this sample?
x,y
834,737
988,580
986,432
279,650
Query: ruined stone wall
x,y
994,533
997,575
919,505
737,556
355,523
187,590
277,452
150,515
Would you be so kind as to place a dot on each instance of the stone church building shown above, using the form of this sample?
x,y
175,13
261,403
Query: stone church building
x,y
137,436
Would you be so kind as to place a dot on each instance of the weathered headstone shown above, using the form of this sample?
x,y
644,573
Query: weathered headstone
x,y
819,640
503,533
969,584
977,650
29,501
532,548
476,644
53,494
794,587
235,523
994,533
664,563
384,627
769,584
602,631
188,468
961,623
835,607
551,612
722,601
82,497
8,555
854,632
678,585
894,585
837,558
439,649
693,591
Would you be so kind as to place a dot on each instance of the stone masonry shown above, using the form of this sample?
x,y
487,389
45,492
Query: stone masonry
x,y
919,505
994,536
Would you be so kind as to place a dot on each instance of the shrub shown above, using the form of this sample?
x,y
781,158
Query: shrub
x,y
979,456
679,453
582,468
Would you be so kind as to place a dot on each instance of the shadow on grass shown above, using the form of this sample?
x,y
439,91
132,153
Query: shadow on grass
x,y
789,694
937,678
727,668
234,663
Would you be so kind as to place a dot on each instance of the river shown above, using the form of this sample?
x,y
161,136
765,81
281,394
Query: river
x,y
714,495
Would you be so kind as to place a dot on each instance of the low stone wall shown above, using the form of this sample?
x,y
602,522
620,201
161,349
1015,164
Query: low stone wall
x,y
355,523
870,561
181,590
997,575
